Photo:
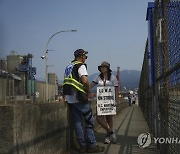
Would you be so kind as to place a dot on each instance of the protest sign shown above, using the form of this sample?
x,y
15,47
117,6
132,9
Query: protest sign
x,y
106,100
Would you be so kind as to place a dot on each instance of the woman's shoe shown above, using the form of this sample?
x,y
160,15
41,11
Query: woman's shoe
x,y
107,139
113,137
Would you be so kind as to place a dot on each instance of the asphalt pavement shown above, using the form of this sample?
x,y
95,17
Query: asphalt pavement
x,y
128,124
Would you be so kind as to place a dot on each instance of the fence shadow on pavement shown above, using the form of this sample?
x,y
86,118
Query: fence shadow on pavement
x,y
128,124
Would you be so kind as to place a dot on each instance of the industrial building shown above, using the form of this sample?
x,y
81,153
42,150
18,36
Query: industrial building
x,y
18,82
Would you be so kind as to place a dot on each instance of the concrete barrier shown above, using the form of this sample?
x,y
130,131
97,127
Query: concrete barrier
x,y
38,128
34,129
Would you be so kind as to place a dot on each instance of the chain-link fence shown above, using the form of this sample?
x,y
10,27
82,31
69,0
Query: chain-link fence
x,y
160,100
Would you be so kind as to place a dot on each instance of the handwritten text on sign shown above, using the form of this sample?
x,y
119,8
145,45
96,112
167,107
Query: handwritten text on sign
x,y
106,100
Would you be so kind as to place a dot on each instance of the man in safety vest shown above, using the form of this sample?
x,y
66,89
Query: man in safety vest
x,y
75,90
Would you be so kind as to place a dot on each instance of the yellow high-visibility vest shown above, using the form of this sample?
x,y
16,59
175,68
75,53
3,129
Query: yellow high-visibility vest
x,y
69,80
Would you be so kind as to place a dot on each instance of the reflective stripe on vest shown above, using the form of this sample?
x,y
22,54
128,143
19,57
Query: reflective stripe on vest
x,y
70,81
76,84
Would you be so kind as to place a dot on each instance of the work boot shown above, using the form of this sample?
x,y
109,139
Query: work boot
x,y
95,149
82,149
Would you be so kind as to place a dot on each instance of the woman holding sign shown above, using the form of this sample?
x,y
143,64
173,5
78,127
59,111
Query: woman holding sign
x,y
107,96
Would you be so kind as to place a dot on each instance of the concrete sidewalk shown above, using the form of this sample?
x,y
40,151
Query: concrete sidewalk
x,y
129,124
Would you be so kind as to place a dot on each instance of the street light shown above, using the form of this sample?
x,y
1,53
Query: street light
x,y
45,56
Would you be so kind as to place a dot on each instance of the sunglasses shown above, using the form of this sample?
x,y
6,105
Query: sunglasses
x,y
84,55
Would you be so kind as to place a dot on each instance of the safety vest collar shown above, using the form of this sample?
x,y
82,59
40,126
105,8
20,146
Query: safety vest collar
x,y
76,62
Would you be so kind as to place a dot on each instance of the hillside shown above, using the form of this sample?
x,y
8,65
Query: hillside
x,y
128,78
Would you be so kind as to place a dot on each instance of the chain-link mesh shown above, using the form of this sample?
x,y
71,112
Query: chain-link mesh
x,y
165,93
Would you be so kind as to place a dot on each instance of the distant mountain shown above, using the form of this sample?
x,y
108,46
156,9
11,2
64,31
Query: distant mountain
x,y
129,78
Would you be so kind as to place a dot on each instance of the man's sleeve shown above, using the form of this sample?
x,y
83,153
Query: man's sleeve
x,y
82,71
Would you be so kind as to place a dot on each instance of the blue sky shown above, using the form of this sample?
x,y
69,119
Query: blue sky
x,y
111,30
